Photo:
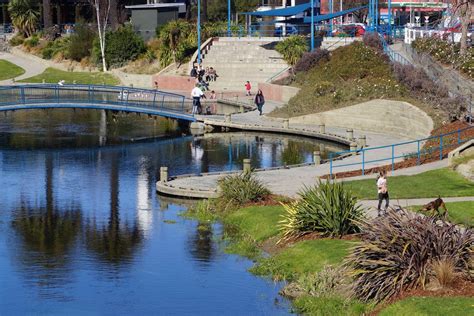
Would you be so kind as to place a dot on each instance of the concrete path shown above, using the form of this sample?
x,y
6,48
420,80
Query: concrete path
x,y
371,205
31,68
290,181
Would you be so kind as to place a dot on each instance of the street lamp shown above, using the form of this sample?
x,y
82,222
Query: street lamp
x,y
312,25
199,31
228,18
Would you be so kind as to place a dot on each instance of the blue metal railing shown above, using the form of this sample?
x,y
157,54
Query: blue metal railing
x,y
394,56
126,97
419,153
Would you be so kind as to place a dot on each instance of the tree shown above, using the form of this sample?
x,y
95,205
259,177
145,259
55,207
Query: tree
x,y
464,9
102,12
204,11
47,14
25,15
114,15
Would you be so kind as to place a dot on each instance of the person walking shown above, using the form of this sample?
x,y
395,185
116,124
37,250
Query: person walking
x,y
197,94
259,100
382,190
248,87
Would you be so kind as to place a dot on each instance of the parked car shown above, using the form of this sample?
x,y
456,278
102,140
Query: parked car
x,y
290,30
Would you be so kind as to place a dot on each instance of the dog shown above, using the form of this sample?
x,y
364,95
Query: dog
x,y
434,207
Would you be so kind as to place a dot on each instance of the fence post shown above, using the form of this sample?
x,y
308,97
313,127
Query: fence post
x,y
418,153
363,162
163,102
459,136
393,158
89,94
330,166
22,95
57,94
316,157
441,147
154,99
163,174
247,168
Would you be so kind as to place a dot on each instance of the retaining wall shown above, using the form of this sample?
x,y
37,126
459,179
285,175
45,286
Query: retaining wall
x,y
175,83
450,78
277,92
380,116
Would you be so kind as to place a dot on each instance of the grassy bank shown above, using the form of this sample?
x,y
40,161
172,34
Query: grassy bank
x,y
459,212
52,75
434,183
431,306
9,70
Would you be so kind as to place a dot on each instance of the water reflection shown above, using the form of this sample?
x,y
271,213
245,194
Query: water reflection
x,y
115,242
82,229
201,244
48,234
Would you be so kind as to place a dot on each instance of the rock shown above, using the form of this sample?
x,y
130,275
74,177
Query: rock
x,y
467,170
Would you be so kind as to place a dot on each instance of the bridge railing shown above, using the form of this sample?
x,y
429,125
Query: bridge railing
x,y
436,148
93,94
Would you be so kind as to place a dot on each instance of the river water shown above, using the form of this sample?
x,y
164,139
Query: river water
x,y
82,230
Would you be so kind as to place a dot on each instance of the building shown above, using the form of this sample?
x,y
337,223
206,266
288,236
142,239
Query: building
x,y
146,18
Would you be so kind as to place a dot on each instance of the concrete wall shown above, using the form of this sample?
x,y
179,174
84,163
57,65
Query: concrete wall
x,y
380,116
450,78
170,82
278,93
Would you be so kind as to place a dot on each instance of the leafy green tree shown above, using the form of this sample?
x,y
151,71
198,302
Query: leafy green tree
x,y
47,14
178,40
123,45
81,42
25,15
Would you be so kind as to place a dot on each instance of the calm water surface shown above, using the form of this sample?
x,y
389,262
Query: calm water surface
x,y
82,229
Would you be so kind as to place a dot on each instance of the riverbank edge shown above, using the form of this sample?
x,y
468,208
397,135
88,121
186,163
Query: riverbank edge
x,y
264,252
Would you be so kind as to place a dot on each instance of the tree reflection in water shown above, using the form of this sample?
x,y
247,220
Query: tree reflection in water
x,y
48,234
201,244
115,242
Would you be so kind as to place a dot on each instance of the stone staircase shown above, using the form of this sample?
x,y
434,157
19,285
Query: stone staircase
x,y
237,60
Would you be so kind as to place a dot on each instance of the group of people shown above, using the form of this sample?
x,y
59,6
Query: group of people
x,y
203,76
197,94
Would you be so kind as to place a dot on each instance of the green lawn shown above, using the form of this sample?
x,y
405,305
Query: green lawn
x,y
303,257
443,182
459,212
53,75
431,306
9,70
334,306
258,222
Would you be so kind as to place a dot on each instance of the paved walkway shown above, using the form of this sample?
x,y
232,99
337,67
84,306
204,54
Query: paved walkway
x,y
290,181
31,68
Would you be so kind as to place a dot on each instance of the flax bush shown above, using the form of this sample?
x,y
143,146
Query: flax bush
x,y
242,188
327,208
398,252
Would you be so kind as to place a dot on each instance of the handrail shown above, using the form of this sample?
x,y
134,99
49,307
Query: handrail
x,y
278,74
194,58
393,147
116,97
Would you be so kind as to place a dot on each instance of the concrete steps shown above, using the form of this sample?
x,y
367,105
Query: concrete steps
x,y
238,60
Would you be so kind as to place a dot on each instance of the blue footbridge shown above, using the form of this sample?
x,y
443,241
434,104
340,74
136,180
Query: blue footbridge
x,y
98,97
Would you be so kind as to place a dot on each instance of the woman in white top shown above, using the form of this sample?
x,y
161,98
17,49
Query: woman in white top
x,y
382,190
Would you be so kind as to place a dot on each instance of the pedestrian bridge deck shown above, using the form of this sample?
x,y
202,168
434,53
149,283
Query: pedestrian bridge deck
x,y
127,99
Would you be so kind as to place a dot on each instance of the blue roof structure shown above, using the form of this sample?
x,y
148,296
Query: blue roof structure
x,y
289,11
320,18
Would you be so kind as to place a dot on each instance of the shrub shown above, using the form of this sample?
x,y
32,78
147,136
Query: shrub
x,y
328,208
33,41
17,40
292,48
311,59
121,46
447,53
58,46
81,43
330,281
397,252
178,41
373,40
242,188
444,272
